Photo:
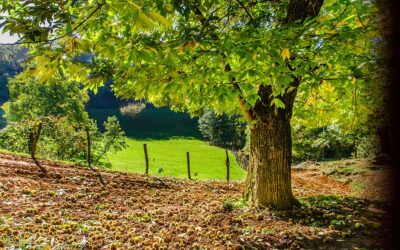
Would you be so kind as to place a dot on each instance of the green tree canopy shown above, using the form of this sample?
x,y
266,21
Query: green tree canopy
x,y
31,101
252,57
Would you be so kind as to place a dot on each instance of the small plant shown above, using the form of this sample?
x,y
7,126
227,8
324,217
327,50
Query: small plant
x,y
112,139
248,230
338,223
228,206
100,206
160,170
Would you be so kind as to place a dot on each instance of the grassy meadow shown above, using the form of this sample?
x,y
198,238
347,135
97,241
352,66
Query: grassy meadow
x,y
168,158
168,135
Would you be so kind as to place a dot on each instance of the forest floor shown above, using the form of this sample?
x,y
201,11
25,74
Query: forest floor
x,y
345,205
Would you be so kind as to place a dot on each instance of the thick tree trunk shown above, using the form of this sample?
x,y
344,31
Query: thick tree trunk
x,y
269,174
269,177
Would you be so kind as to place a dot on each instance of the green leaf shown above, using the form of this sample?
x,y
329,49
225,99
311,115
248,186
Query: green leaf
x,y
278,103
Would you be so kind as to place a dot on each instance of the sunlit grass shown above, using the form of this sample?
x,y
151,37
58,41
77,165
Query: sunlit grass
x,y
168,158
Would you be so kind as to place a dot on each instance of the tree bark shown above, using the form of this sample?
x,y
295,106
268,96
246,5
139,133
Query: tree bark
x,y
269,177
269,174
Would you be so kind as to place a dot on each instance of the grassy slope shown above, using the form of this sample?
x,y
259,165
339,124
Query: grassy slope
x,y
170,155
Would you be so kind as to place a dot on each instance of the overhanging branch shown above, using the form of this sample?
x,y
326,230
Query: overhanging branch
x,y
98,7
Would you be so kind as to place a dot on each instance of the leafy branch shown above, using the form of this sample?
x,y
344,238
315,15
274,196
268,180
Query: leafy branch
x,y
21,41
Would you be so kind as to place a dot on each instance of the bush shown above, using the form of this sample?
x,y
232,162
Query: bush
x,y
367,147
222,131
320,143
112,139
15,137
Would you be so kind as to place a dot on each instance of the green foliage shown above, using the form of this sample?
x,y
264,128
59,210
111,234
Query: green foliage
x,y
62,139
60,107
11,58
227,206
367,146
320,143
31,101
113,139
15,137
184,65
221,130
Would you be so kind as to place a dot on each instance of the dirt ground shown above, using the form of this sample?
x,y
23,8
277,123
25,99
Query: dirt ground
x,y
345,205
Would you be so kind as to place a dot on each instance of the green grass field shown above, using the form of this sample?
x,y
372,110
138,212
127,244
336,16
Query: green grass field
x,y
207,162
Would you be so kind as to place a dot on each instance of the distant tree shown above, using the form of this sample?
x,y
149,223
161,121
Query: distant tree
x,y
132,109
112,138
58,98
11,58
222,130
59,107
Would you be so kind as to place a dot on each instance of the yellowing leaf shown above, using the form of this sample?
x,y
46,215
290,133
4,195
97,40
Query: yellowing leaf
x,y
313,100
285,53
341,23
47,247
330,88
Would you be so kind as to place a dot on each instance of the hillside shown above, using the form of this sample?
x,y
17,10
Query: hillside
x,y
69,209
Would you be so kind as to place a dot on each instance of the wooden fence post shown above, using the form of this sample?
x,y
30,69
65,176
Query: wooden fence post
x,y
227,166
89,155
34,142
146,157
35,139
188,165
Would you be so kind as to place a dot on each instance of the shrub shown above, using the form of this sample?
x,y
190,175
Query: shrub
x,y
367,146
112,139
321,143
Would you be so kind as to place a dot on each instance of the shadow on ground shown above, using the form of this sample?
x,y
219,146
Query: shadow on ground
x,y
341,222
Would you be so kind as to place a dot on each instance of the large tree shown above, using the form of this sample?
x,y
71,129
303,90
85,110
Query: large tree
x,y
250,57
